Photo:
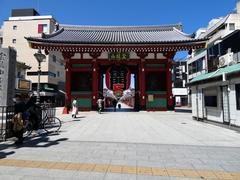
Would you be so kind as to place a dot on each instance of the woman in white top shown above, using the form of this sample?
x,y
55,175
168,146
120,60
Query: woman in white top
x,y
74,108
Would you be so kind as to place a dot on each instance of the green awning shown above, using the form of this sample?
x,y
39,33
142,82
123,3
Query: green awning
x,y
227,70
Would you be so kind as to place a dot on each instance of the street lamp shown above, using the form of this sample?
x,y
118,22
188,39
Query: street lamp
x,y
40,58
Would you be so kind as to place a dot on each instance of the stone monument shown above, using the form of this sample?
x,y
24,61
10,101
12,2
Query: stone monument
x,y
7,75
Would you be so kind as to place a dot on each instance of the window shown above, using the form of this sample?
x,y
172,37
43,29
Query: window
x,y
14,41
210,101
237,88
14,27
194,67
190,69
210,97
58,74
231,26
54,58
18,74
42,28
200,64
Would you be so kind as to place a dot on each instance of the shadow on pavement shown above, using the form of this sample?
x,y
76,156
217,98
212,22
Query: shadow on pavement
x,y
5,154
41,141
183,110
80,117
120,110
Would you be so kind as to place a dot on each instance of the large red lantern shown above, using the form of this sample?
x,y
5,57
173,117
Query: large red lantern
x,y
118,79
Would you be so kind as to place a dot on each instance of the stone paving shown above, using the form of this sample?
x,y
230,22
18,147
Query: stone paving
x,y
126,145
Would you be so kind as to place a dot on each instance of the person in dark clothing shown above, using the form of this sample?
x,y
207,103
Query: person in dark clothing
x,y
33,112
119,106
19,107
114,102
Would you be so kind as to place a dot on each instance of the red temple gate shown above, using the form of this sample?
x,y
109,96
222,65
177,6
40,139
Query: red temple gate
x,y
90,52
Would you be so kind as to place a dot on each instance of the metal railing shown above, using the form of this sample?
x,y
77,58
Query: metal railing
x,y
6,115
50,109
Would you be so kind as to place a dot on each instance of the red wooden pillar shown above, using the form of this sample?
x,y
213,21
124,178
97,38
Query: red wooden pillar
x,y
94,84
68,71
95,79
169,55
142,84
169,84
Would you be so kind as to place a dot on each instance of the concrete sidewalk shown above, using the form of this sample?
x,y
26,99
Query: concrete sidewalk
x,y
117,145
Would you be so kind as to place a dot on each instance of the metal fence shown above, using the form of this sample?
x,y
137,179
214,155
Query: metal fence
x,y
6,115
50,109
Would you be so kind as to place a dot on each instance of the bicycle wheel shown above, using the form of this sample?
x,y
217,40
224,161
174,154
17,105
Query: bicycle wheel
x,y
27,128
52,124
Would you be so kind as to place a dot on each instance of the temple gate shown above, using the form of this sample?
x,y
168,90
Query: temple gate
x,y
94,52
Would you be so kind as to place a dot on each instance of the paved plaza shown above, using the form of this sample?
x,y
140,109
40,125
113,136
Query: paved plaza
x,y
126,145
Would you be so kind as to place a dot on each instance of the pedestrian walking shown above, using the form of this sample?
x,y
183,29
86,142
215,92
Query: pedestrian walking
x,y
119,106
114,102
74,108
100,104
33,111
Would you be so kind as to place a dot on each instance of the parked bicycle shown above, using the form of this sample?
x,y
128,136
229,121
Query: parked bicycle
x,y
47,122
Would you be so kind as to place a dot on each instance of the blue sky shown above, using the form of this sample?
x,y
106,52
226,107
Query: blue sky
x,y
191,13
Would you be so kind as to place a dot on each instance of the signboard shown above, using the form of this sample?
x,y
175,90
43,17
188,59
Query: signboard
x,y
24,84
118,56
118,79
180,91
150,98
7,75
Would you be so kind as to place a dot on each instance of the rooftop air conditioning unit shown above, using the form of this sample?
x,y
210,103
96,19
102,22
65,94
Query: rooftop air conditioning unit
x,y
226,60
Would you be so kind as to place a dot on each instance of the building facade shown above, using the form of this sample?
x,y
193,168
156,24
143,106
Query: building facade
x,y
215,89
27,22
180,91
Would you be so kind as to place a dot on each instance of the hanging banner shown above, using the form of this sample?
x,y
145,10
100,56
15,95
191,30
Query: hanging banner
x,y
118,79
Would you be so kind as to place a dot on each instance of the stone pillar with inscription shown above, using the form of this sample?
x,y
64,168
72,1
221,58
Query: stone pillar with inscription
x,y
7,76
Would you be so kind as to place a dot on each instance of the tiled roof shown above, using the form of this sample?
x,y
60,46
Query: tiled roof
x,y
116,35
219,72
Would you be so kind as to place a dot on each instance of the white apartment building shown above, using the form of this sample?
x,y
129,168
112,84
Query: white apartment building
x,y
215,82
27,23
204,60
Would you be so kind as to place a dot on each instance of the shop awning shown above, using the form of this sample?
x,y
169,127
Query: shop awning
x,y
225,70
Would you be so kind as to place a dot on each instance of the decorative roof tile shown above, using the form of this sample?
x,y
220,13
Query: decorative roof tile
x,y
116,35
